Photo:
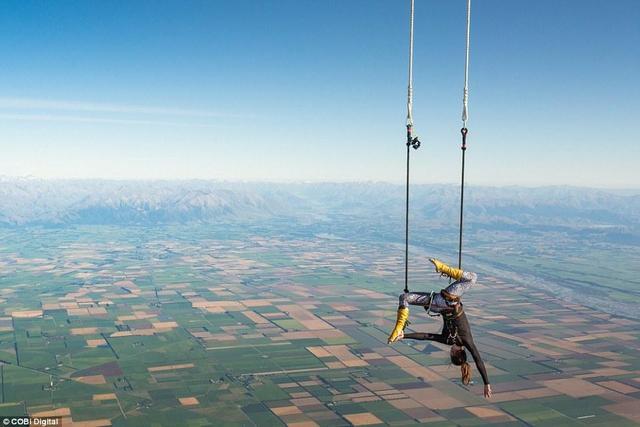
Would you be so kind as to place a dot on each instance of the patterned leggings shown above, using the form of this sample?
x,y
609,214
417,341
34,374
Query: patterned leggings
x,y
439,303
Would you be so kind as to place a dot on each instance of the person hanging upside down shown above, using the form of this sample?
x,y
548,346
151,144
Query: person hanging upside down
x,y
456,331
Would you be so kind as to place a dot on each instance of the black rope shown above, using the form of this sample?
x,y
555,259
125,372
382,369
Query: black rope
x,y
406,220
415,143
464,132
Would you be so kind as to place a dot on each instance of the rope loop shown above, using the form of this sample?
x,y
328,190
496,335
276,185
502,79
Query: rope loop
x,y
464,131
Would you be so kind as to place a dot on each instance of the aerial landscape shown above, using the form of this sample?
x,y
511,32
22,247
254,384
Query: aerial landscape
x,y
284,320
303,213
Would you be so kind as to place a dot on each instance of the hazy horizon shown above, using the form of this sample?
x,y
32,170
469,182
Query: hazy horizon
x,y
629,189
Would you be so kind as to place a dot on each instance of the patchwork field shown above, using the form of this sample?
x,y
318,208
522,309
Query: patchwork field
x,y
144,326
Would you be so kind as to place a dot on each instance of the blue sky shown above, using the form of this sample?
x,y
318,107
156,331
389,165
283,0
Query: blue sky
x,y
315,90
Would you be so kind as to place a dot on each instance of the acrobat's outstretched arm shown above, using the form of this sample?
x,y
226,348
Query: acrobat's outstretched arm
x,y
467,340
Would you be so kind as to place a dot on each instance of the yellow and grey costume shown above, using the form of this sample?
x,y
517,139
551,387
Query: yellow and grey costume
x,y
446,302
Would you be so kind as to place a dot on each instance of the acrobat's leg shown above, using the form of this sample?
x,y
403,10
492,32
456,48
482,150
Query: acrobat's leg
x,y
413,298
459,287
444,269
463,279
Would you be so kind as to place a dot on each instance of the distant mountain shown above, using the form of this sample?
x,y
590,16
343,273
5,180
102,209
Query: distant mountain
x,y
33,201
60,202
518,205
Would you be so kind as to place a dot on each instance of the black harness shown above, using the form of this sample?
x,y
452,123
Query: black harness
x,y
449,317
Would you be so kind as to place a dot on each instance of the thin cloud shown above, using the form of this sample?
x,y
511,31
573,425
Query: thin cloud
x,y
80,119
95,107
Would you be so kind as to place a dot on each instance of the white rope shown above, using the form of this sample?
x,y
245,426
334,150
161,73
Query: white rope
x,y
465,96
410,87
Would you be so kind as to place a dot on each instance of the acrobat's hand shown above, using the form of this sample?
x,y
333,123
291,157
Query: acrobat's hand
x,y
487,391
397,337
